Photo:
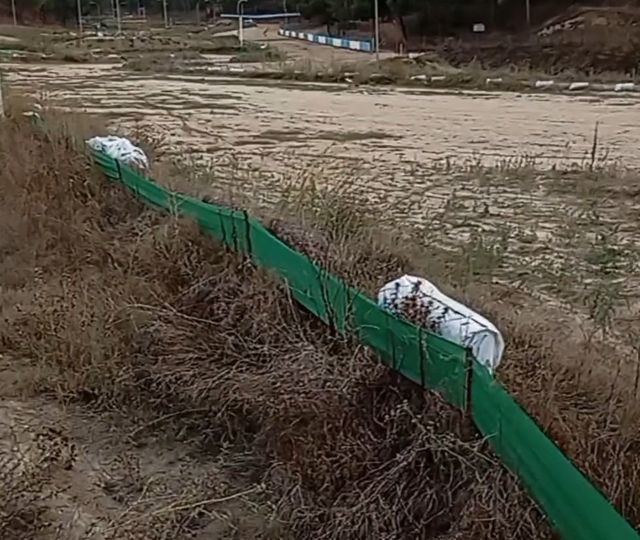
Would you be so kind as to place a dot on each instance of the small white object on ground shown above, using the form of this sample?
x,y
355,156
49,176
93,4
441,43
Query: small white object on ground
x,y
544,84
451,319
121,149
624,87
419,78
493,80
31,114
437,78
578,85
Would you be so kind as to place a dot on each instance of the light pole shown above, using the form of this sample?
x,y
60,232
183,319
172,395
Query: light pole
x,y
240,12
528,10
376,14
165,13
118,19
15,14
79,6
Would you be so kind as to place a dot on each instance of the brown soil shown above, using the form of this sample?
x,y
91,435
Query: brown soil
x,y
587,40
545,58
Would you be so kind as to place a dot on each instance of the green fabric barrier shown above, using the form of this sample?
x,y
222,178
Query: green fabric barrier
x,y
339,299
298,271
422,357
229,226
150,191
108,165
577,510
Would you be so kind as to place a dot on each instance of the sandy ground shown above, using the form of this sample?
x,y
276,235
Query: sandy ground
x,y
421,155
403,125
101,476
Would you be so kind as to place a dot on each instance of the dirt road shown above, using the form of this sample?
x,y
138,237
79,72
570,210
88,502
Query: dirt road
x,y
297,49
202,115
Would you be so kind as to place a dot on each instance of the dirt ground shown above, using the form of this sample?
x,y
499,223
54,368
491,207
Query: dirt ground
x,y
508,163
583,40
540,192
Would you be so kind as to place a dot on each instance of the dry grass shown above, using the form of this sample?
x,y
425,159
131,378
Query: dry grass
x,y
428,70
108,307
38,45
577,372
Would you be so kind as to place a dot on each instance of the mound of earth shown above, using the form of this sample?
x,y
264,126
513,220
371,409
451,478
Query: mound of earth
x,y
592,40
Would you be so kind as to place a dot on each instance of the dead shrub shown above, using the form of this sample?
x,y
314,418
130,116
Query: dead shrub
x,y
130,310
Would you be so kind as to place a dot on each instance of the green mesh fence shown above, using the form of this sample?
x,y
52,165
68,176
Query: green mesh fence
x,y
577,510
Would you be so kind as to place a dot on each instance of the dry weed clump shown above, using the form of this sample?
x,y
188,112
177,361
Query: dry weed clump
x,y
30,456
582,389
112,307
573,386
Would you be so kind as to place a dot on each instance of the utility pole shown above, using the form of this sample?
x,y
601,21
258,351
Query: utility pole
x,y
377,28
15,14
165,13
240,13
118,19
79,6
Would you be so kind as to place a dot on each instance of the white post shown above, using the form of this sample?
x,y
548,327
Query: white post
x,y
15,14
528,9
165,13
377,29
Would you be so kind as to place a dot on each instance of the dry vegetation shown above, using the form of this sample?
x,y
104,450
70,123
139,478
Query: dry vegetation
x,y
156,386
428,70
576,371
32,44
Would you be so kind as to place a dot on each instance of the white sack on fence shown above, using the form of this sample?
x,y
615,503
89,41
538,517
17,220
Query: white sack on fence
x,y
121,149
410,296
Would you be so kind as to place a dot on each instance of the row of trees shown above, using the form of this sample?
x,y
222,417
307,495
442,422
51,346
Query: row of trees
x,y
430,15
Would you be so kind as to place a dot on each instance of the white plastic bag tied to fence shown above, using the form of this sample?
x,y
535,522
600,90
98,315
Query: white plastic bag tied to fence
x,y
121,149
421,302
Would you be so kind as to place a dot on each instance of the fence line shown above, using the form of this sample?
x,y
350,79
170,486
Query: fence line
x,y
366,45
576,509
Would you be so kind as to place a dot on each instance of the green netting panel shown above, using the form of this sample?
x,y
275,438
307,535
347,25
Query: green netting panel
x,y
151,192
299,272
425,358
229,226
339,298
577,510
108,165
